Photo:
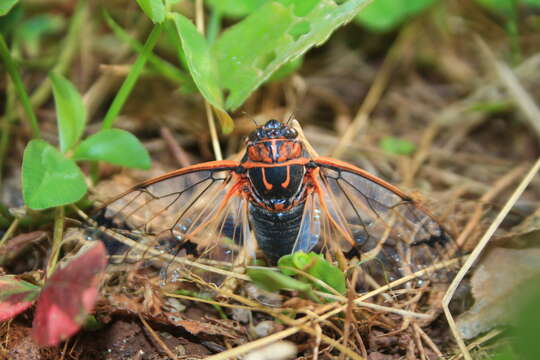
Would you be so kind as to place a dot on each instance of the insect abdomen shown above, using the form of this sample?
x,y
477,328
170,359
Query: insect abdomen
x,y
276,232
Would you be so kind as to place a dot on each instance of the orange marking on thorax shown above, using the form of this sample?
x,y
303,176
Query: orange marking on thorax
x,y
267,185
287,179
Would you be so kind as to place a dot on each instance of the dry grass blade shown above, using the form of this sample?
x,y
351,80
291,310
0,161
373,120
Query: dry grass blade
x,y
490,335
476,253
520,96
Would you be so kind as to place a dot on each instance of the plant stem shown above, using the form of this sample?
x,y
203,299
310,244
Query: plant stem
x,y
6,124
132,77
9,232
57,239
11,68
163,67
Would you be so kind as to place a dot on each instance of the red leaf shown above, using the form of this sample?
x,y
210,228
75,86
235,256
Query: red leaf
x,y
15,296
68,296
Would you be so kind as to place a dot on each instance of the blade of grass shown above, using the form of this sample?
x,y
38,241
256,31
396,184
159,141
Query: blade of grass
x,y
132,77
163,67
7,123
11,68
69,49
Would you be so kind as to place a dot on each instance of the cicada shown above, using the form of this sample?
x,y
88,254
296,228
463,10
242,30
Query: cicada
x,y
277,200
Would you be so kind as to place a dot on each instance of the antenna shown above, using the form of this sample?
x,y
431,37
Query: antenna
x,y
250,117
291,116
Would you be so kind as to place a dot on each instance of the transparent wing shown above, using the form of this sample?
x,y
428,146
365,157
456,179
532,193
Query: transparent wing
x,y
394,236
190,214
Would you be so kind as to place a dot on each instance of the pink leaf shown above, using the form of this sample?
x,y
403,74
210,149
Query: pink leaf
x,y
15,296
68,296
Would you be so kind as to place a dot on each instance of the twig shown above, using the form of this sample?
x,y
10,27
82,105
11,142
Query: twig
x,y
476,253
158,339
179,154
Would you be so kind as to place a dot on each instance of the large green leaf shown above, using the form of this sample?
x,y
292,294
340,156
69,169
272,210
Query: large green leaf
x,y
235,8
202,66
201,63
114,146
154,9
276,33
49,178
384,15
70,111
6,6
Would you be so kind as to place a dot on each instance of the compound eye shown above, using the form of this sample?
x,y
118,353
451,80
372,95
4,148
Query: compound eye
x,y
292,133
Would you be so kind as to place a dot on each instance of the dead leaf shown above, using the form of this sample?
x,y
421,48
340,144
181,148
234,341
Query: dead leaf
x,y
497,283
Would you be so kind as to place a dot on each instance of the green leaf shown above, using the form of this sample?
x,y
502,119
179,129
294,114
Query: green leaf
x,y
154,9
385,15
274,281
315,265
6,6
287,69
114,146
70,111
201,63
249,52
397,146
328,274
49,178
235,8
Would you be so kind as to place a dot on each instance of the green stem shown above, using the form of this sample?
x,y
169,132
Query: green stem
x,y
163,67
131,78
6,125
13,71
9,232
57,239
